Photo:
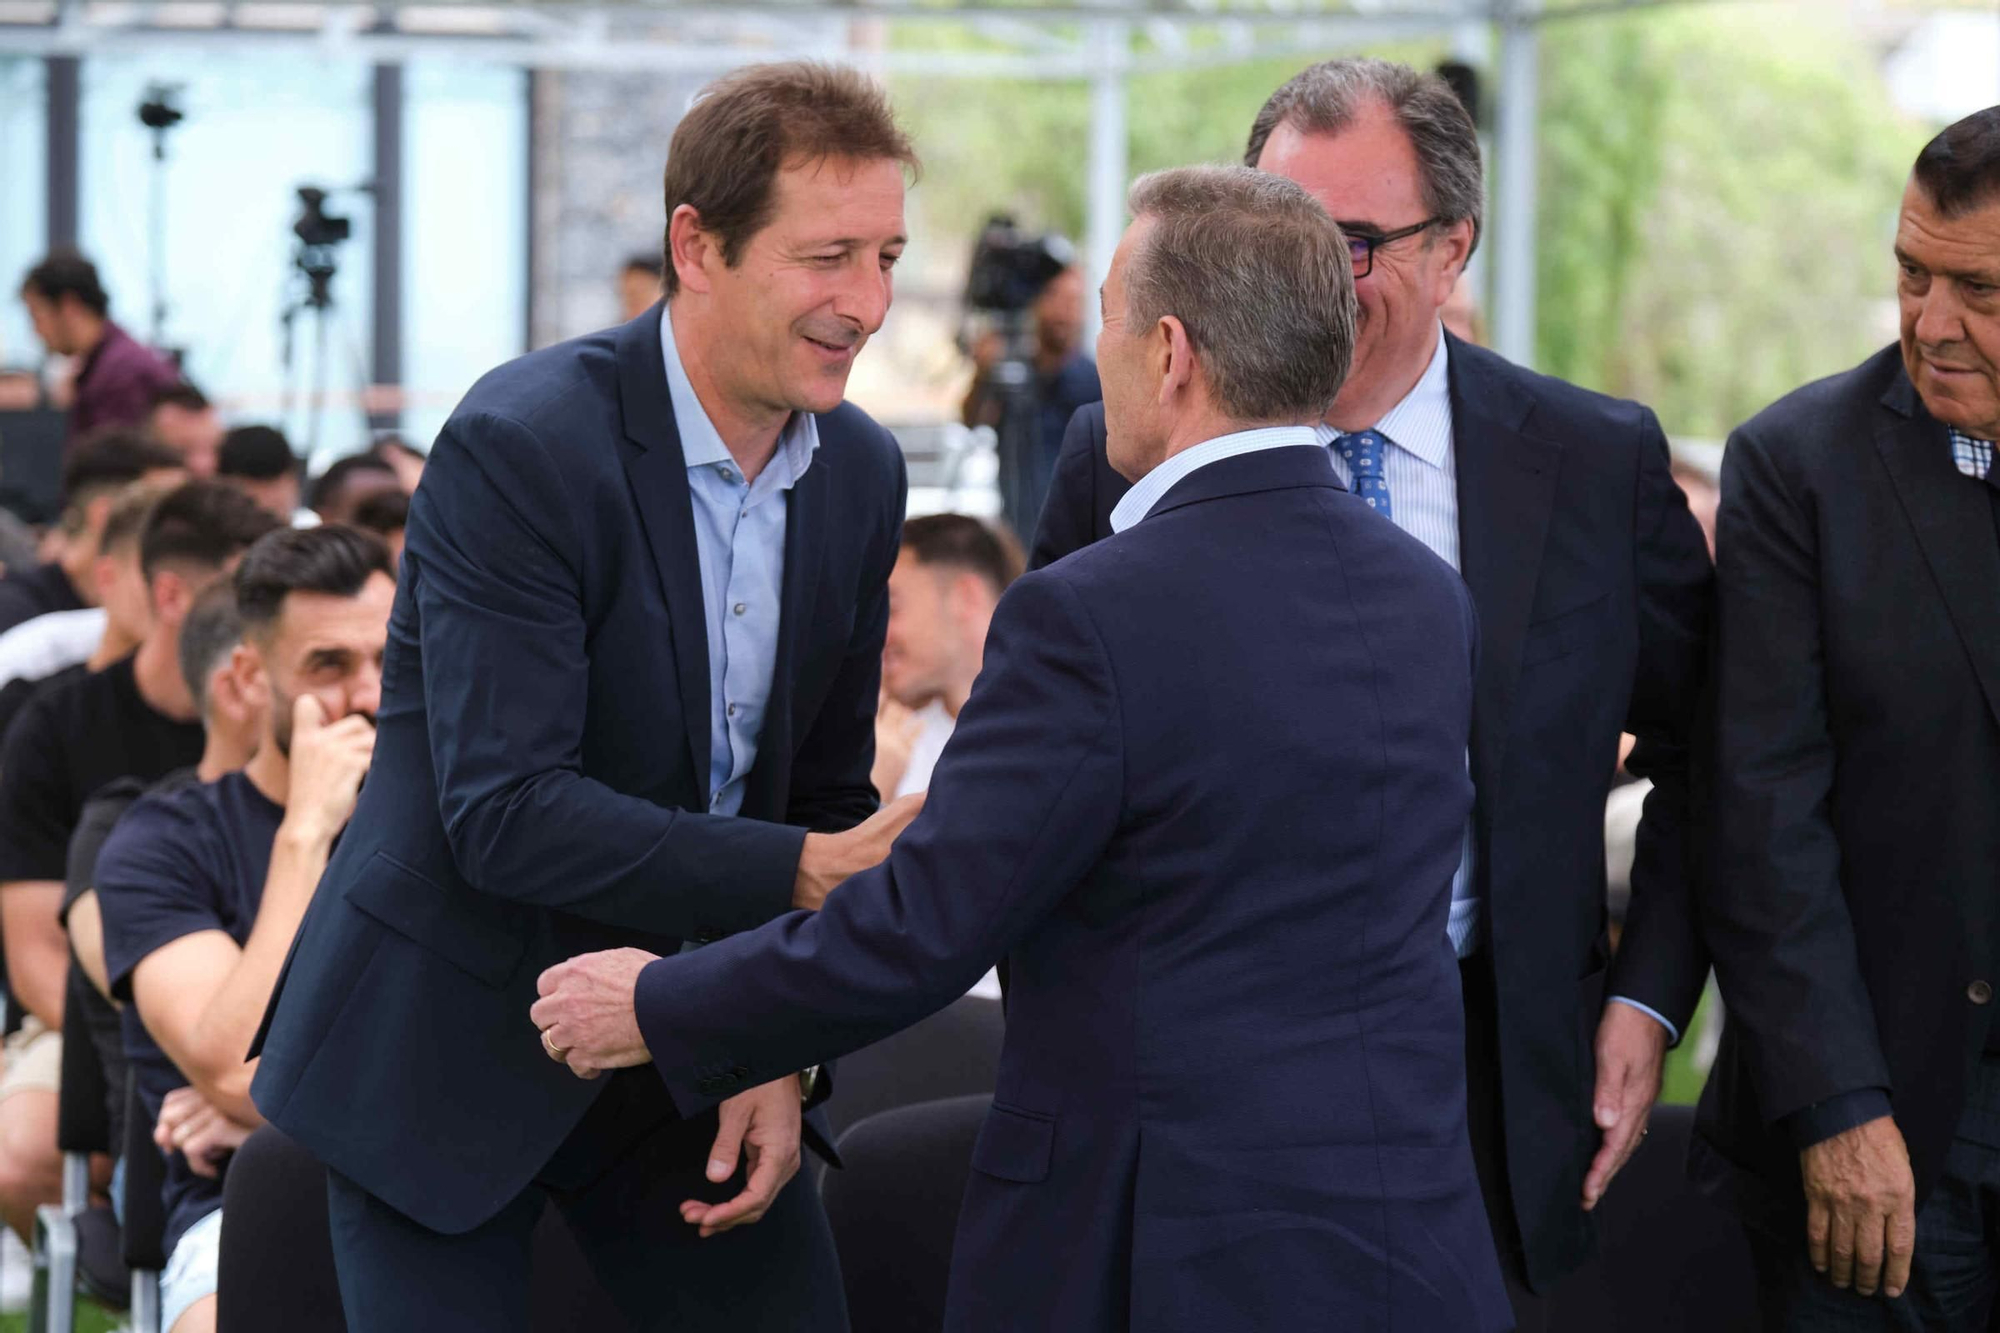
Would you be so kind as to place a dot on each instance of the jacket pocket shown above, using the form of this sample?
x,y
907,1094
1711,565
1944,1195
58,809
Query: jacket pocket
x,y
429,915
1015,1145
1565,632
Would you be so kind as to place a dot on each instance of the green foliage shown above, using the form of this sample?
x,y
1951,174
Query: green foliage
x,y
1718,193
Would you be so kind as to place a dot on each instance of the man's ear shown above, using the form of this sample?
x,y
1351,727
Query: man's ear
x,y
691,250
246,676
1176,358
1456,242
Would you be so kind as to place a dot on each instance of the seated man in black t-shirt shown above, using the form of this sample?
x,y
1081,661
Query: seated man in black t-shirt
x,y
202,891
135,718
101,466
231,721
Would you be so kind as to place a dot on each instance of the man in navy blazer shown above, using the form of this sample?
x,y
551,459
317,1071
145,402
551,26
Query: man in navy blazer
x,y
1207,794
1593,586
628,698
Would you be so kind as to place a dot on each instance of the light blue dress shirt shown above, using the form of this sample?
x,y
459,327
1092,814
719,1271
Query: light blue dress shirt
x,y
739,532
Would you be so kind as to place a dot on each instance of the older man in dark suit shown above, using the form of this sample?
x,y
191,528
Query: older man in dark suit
x,y
1219,851
1592,583
1854,1114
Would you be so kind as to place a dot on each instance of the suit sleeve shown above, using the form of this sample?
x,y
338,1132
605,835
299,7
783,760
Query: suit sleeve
x,y
1069,514
830,788
1662,962
1777,920
495,562
1022,805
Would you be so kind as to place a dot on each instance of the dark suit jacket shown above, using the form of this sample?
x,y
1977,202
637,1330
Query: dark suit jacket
x,y
1220,853
543,742
1852,909
1592,583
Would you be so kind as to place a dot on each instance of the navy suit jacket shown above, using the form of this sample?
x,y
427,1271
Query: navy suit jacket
x,y
1594,591
541,758
1207,794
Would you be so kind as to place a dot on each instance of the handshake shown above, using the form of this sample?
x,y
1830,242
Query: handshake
x,y
586,1013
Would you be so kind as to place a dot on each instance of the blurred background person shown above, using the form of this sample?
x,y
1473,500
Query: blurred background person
x,y
947,581
404,459
134,718
96,472
185,421
336,493
115,376
638,286
1063,379
258,460
386,514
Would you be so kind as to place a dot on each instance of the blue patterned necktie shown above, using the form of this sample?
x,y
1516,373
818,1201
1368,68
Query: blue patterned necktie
x,y
1363,451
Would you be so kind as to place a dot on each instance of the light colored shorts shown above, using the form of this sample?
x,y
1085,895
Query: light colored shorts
x,y
33,1060
191,1269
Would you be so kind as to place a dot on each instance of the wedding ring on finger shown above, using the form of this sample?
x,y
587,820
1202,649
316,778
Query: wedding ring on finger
x,y
559,1054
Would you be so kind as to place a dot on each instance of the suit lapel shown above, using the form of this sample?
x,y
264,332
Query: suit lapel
x,y
1953,520
805,532
1506,493
657,473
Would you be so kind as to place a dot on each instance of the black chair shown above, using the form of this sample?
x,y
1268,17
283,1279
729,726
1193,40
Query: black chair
x,y
1670,1260
76,1241
145,1229
894,1210
276,1266
953,1053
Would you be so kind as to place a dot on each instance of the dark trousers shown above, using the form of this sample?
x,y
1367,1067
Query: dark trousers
x,y
619,1180
1955,1275
1489,1139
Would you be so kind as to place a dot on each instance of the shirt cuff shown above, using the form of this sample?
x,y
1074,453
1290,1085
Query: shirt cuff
x,y
1673,1033
1836,1115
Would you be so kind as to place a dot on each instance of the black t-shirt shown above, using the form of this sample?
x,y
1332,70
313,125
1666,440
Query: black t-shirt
x,y
72,739
14,695
178,864
1058,396
101,814
35,592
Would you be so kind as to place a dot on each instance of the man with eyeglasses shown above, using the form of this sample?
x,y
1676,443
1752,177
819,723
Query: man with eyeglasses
x,y
1593,586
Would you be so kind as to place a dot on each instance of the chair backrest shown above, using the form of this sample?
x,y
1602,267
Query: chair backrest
x,y
1669,1259
953,1053
83,1120
276,1267
145,1176
894,1210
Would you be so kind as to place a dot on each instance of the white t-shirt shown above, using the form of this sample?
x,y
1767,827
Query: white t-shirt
x,y
925,749
45,645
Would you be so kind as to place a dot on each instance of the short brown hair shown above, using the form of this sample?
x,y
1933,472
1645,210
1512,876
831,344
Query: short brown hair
x,y
746,127
1261,279
1959,170
960,541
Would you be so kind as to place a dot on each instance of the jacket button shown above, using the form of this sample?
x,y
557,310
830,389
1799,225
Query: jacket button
x,y
1979,992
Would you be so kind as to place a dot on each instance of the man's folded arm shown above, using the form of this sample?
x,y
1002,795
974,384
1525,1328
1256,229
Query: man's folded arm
x,y
1662,964
1022,805
1775,914
495,560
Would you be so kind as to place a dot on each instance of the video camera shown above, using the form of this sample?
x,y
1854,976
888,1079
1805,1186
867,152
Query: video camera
x,y
1010,267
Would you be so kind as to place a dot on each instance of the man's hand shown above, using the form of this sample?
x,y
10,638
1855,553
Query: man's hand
x,y
329,759
204,1135
763,1124
828,858
1861,1208
587,1015
1631,1048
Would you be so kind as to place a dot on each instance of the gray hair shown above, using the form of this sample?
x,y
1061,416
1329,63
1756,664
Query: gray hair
x,y
1325,98
209,632
1261,279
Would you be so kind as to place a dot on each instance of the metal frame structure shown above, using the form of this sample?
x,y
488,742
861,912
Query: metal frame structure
x,y
1101,42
